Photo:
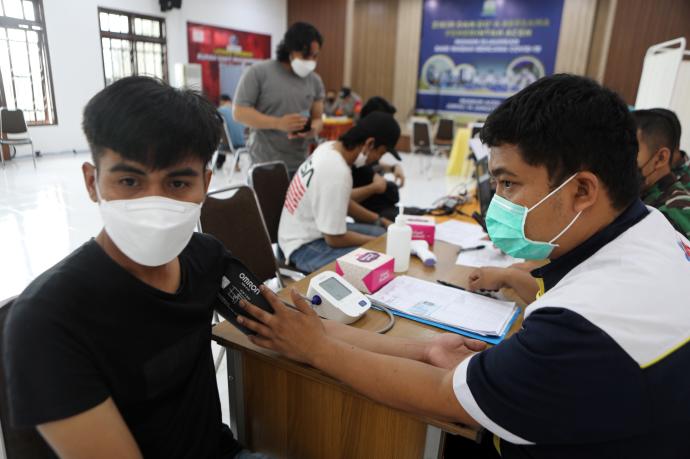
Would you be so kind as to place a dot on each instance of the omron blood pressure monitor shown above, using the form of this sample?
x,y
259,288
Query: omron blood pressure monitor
x,y
340,301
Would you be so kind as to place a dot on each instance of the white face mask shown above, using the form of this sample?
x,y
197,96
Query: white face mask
x,y
302,67
152,230
361,160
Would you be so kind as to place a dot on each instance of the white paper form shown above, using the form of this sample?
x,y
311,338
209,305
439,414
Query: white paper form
x,y
446,305
461,234
489,256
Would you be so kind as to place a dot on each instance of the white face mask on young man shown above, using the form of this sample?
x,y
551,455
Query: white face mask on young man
x,y
152,230
302,67
361,160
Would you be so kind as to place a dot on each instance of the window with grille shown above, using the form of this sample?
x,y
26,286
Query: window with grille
x,y
25,81
132,44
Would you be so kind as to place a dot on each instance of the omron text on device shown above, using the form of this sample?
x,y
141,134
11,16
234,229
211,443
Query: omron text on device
x,y
238,283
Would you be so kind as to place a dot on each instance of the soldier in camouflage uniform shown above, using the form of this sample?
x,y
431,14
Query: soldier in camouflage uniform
x,y
658,138
681,168
673,200
679,159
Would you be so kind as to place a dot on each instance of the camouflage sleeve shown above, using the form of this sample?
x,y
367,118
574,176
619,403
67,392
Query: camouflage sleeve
x,y
683,175
677,211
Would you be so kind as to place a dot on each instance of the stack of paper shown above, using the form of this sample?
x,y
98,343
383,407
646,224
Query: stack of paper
x,y
461,234
488,256
447,306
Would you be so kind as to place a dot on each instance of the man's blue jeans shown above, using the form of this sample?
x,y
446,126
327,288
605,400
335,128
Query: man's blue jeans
x,y
316,254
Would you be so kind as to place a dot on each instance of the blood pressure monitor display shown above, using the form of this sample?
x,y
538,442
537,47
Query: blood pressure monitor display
x,y
339,300
334,288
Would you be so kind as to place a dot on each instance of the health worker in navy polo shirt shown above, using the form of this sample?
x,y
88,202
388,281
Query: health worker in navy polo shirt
x,y
600,367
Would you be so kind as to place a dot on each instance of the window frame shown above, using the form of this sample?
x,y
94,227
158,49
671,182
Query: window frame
x,y
132,38
50,106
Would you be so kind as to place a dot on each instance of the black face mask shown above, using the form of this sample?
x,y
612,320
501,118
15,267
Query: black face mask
x,y
330,100
642,168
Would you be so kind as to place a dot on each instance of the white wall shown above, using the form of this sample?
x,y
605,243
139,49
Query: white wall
x,y
75,53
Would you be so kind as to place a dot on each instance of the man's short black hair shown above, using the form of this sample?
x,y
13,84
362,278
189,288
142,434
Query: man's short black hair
x,y
298,37
225,98
569,123
660,128
377,104
381,126
146,120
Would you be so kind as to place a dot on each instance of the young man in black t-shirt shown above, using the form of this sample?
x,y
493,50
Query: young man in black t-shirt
x,y
108,353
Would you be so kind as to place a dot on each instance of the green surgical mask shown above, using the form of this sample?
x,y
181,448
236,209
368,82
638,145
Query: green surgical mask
x,y
505,223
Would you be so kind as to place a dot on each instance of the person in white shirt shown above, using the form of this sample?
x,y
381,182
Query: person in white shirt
x,y
313,231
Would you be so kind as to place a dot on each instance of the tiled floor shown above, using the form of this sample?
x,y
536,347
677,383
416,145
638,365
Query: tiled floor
x,y
45,213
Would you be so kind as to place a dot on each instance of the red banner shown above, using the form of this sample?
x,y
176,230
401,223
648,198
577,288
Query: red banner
x,y
213,47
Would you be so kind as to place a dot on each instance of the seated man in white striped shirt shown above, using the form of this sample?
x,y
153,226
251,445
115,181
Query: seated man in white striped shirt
x,y
313,231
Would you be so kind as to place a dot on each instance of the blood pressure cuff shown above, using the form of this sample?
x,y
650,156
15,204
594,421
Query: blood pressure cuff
x,y
239,283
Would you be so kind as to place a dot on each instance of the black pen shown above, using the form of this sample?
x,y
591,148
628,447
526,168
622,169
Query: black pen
x,y
469,249
448,284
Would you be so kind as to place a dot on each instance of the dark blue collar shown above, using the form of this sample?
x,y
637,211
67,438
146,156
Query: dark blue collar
x,y
556,270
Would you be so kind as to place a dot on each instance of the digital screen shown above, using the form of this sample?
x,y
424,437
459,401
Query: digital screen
x,y
335,288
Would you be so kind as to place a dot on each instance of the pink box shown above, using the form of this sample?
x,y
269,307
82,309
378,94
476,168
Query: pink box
x,y
423,228
366,270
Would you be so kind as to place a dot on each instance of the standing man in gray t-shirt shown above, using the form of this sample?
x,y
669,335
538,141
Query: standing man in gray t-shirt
x,y
282,100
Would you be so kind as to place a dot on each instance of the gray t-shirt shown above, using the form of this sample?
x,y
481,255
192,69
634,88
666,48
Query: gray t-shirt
x,y
273,90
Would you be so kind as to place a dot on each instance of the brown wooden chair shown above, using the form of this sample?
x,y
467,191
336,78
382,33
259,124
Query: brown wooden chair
x,y
13,132
270,182
234,217
24,443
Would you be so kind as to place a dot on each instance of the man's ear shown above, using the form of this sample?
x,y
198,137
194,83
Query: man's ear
x,y
207,179
369,144
89,172
587,192
663,157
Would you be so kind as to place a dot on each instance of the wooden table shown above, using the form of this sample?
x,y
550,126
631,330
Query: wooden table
x,y
290,410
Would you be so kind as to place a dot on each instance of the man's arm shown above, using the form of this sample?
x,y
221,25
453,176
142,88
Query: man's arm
x,y
377,186
246,98
251,117
492,278
400,383
362,193
396,170
349,239
317,117
444,350
363,215
98,432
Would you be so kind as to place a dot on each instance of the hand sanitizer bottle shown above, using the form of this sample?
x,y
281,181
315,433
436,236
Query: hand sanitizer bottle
x,y
398,243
